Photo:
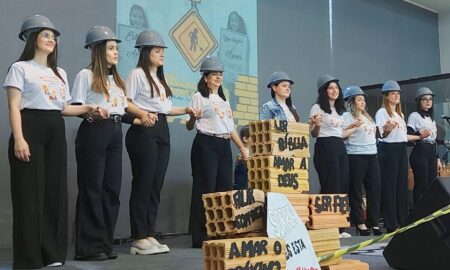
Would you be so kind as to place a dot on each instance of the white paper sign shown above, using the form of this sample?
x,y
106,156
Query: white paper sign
x,y
283,222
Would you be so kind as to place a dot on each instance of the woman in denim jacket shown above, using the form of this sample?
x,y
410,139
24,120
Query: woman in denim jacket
x,y
280,106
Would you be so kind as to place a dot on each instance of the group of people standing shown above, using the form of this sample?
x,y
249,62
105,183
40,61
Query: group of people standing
x,y
38,97
352,150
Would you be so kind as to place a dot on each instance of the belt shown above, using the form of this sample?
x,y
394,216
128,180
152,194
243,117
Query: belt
x,y
425,142
225,136
116,118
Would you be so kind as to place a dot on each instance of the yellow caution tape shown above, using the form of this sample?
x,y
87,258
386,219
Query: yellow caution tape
x,y
339,253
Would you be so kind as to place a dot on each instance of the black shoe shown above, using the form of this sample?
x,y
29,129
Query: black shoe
x,y
361,232
377,231
111,255
96,257
196,245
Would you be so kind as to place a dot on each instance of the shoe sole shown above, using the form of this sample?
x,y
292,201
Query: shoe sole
x,y
137,251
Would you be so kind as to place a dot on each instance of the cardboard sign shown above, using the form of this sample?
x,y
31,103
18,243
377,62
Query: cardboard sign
x,y
283,222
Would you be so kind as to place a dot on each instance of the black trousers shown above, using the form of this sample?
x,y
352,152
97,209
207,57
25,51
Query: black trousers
x,y
423,163
39,191
149,152
364,170
98,149
212,170
331,163
394,181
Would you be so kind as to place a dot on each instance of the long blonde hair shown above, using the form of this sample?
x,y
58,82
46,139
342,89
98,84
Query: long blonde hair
x,y
352,109
398,107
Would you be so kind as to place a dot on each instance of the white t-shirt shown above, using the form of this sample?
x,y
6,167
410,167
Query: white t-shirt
x,y
289,116
41,88
417,122
362,141
82,93
331,123
139,91
217,116
396,135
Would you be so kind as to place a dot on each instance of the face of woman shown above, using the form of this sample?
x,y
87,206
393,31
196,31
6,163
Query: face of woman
x,y
112,53
283,89
426,102
333,91
214,79
137,18
234,22
360,103
393,97
46,41
156,57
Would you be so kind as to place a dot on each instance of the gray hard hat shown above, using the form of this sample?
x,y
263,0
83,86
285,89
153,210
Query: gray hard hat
x,y
353,91
36,23
390,86
422,91
149,38
279,76
324,79
211,63
98,34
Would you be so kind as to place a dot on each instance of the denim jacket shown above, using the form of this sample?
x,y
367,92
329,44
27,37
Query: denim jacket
x,y
272,110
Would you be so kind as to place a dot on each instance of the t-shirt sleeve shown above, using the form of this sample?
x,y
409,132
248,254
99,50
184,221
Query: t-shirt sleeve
x,y
132,84
381,117
80,88
348,119
15,77
315,109
413,121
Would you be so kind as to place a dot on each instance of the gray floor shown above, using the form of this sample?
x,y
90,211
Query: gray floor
x,y
182,257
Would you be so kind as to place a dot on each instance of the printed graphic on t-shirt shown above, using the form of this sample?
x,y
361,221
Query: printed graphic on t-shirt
x,y
117,101
53,88
369,128
222,109
335,122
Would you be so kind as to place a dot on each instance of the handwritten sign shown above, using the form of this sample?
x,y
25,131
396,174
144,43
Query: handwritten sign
x,y
129,55
283,222
234,54
330,204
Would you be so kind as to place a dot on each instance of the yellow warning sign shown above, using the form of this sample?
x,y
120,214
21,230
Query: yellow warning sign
x,y
193,38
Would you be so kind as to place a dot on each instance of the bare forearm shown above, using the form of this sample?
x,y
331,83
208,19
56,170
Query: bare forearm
x,y
15,121
237,140
74,110
178,111
190,123
135,110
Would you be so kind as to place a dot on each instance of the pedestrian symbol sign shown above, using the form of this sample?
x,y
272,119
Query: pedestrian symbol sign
x,y
193,39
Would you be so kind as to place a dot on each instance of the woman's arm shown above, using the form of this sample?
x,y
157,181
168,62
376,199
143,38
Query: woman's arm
x,y
181,110
237,141
21,148
75,110
191,122
146,119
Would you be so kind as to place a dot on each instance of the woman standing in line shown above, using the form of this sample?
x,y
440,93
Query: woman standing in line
x,y
98,147
423,159
280,107
149,148
211,158
38,93
363,162
330,156
392,157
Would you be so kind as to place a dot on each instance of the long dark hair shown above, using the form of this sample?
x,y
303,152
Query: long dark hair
x,y
30,50
423,113
288,102
324,104
99,67
144,63
204,90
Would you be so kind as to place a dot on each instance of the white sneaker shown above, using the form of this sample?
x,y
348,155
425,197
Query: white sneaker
x,y
143,247
55,264
345,235
162,247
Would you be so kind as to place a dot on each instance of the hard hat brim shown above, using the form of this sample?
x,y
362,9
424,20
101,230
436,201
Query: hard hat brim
x,y
36,29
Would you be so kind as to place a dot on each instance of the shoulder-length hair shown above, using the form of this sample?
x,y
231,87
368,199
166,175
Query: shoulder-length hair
x,y
288,102
398,107
324,103
352,109
144,63
30,50
204,90
100,70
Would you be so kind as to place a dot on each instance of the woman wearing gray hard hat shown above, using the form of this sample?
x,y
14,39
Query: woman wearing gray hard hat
x,y
330,156
280,107
38,93
423,159
211,157
149,148
392,157
364,170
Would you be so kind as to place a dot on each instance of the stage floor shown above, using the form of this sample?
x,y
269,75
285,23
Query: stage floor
x,y
183,257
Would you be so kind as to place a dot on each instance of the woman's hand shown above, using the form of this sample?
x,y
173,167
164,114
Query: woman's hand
x,y
22,150
316,120
245,153
439,165
97,112
356,124
424,133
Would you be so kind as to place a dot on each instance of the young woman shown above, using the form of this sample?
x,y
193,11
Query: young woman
x,y
392,157
330,156
98,147
363,162
149,148
423,159
280,107
38,93
211,158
